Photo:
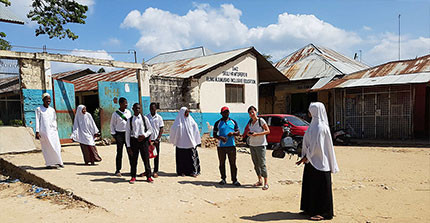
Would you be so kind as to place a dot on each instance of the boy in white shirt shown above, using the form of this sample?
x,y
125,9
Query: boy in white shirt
x,y
137,133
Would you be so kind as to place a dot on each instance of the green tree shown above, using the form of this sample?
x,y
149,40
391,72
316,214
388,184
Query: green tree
x,y
53,15
4,44
267,57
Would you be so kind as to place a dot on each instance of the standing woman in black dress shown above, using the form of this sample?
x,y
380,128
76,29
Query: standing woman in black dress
x,y
320,161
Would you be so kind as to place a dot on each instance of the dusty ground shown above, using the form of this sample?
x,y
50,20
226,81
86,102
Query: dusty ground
x,y
373,185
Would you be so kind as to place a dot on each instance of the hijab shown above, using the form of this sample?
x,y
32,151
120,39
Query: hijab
x,y
84,127
184,132
317,142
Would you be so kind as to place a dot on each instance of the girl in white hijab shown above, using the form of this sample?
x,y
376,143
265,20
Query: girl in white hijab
x,y
320,161
84,131
185,135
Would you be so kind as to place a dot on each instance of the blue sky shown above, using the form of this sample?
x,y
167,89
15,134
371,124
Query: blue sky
x,y
274,27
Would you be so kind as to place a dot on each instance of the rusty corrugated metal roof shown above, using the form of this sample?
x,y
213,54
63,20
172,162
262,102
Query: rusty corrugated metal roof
x,y
189,67
65,75
89,82
180,55
312,62
419,66
8,16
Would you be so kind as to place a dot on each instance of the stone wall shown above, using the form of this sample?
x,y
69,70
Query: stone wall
x,y
173,93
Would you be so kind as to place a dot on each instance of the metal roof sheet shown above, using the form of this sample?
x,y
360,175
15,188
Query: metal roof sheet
x,y
312,62
393,69
90,82
179,55
415,78
64,75
9,84
7,16
190,67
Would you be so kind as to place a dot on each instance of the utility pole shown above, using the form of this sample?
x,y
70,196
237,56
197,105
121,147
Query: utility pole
x,y
399,36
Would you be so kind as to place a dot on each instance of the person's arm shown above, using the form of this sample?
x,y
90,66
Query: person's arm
x,y
215,130
127,134
160,133
149,127
112,124
37,123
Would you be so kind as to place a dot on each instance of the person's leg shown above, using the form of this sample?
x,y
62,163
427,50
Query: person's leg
x,y
262,165
120,141
195,162
144,153
157,158
179,169
254,157
134,157
221,158
85,153
232,161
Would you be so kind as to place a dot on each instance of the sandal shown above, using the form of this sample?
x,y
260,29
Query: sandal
x,y
316,218
258,184
266,186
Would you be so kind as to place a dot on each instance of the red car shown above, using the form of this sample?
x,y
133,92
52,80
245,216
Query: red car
x,y
276,123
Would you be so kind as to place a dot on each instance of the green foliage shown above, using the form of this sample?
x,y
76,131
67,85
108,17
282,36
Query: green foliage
x,y
16,122
52,15
268,57
5,2
1,123
96,117
4,44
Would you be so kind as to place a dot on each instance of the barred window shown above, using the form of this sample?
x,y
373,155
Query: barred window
x,y
234,93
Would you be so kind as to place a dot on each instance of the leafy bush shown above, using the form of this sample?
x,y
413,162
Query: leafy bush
x,y
1,123
96,117
16,122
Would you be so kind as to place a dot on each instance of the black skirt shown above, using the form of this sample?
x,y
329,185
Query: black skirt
x,y
187,162
317,197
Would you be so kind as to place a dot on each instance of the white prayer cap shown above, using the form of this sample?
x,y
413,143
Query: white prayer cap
x,y
45,95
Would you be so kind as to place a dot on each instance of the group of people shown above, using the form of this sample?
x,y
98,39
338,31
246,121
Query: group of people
x,y
138,133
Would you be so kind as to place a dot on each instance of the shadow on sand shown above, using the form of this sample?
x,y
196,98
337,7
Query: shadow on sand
x,y
276,216
34,168
215,184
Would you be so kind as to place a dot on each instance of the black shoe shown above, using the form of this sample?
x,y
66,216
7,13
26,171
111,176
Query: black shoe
x,y
222,182
237,184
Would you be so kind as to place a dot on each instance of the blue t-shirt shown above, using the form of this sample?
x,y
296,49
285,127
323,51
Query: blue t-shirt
x,y
223,128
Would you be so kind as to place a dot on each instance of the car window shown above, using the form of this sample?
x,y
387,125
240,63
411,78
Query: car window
x,y
277,121
296,121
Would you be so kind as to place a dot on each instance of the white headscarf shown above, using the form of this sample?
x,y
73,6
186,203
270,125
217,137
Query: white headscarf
x,y
184,132
317,142
84,127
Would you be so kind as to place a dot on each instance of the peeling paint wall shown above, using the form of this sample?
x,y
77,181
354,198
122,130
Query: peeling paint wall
x,y
35,80
172,93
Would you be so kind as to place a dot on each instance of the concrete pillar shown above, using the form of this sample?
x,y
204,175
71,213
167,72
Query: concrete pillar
x,y
35,80
145,95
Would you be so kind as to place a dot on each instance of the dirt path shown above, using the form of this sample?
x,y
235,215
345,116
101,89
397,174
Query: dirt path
x,y
374,184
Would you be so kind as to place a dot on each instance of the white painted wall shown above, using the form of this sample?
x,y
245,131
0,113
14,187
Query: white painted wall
x,y
212,94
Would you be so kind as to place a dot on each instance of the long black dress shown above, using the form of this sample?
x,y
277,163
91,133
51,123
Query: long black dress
x,y
317,197
187,162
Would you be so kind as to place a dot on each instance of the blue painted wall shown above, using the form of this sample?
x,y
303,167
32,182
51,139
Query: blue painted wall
x,y
64,105
107,92
203,118
32,98
146,101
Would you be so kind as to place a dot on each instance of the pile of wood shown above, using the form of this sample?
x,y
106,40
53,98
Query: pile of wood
x,y
209,142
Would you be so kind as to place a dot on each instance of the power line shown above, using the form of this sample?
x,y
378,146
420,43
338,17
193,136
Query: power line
x,y
44,49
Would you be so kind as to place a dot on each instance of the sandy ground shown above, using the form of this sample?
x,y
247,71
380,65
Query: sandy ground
x,y
373,185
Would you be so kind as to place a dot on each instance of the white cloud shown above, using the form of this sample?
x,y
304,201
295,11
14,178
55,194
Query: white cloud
x,y
386,49
57,67
367,28
221,29
112,42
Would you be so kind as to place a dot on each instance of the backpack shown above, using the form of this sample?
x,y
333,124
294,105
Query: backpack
x,y
259,122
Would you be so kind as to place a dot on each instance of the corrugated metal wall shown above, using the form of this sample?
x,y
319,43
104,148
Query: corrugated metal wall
x,y
376,112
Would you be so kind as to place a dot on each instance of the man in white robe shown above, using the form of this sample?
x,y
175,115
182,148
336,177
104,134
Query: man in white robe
x,y
47,133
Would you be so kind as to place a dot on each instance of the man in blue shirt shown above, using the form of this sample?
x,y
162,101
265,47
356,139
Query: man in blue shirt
x,y
225,130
